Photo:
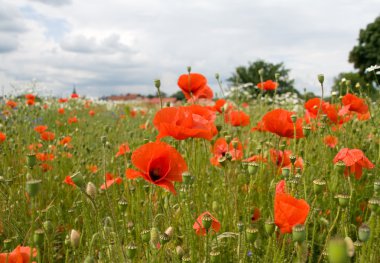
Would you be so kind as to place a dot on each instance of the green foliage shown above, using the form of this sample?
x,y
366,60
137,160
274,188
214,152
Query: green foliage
x,y
250,74
367,52
178,95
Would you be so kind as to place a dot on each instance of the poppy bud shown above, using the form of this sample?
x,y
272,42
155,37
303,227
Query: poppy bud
x,y
343,200
78,180
169,231
206,221
364,233
189,69
122,204
33,187
261,72
214,256
350,246
298,233
269,227
131,250
337,251
91,190
31,160
321,78
252,168
217,76
74,238
277,76
157,83
251,234
180,252
319,185
228,138
38,237
348,83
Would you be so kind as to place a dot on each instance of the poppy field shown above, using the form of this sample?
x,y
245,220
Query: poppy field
x,y
271,179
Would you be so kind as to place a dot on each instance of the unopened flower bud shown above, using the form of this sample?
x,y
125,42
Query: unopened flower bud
x,y
261,72
157,83
321,78
337,251
240,226
350,246
189,69
217,76
293,117
91,190
74,238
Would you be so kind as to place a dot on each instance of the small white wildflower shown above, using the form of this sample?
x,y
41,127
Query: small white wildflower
x,y
372,68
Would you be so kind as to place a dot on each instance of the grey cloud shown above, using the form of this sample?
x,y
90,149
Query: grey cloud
x,y
7,43
54,2
82,44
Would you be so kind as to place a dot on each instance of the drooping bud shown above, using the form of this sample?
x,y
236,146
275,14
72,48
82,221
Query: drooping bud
x,y
74,238
91,190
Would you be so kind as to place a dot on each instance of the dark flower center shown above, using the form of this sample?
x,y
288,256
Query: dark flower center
x,y
154,174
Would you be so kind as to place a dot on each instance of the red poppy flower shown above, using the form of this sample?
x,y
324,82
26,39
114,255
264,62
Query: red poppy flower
x,y
313,105
158,163
221,148
74,96
35,146
331,141
364,116
267,85
110,180
258,158
30,102
19,255
3,137
279,122
199,228
43,157
190,83
62,100
219,105
61,110
123,149
282,159
72,120
289,211
66,140
30,97
47,136
193,121
236,118
11,104
93,168
353,103
69,181
355,161
46,167
40,128
256,215
91,113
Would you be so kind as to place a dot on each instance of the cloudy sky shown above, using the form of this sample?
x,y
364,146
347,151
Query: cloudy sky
x,y
119,46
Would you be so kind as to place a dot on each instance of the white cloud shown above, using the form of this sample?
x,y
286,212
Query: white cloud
x,y
117,46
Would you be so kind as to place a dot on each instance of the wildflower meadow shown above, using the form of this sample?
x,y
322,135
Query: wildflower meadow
x,y
270,178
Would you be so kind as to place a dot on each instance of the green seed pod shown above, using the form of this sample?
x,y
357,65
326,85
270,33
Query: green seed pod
x,y
343,200
269,227
186,259
252,168
31,160
321,78
7,243
376,186
364,233
306,130
293,159
157,83
33,187
154,235
131,251
48,226
207,221
285,172
293,117
240,226
123,205
215,256
38,237
164,238
319,186
251,234
340,166
298,233
145,235
187,178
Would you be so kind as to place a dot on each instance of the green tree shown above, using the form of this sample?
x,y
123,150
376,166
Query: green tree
x,y
250,74
178,95
367,52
